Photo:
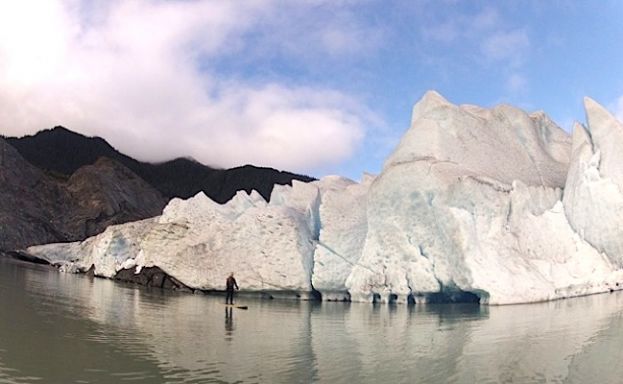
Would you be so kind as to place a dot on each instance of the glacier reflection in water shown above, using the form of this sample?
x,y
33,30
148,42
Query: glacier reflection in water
x,y
61,328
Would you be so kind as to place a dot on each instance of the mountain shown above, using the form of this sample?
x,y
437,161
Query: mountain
x,y
37,208
107,193
493,205
26,216
61,152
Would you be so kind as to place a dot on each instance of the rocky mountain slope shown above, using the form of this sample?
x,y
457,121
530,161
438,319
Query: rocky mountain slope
x,y
37,208
26,216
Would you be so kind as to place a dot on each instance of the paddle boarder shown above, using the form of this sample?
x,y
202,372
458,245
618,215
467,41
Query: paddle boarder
x,y
230,284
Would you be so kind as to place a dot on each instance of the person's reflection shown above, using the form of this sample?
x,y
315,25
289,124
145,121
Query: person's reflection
x,y
229,322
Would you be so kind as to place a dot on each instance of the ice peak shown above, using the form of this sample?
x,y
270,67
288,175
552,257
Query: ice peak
x,y
598,117
433,96
580,137
431,100
606,133
367,178
489,142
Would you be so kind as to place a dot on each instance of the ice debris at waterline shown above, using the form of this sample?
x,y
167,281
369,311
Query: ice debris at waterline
x,y
495,205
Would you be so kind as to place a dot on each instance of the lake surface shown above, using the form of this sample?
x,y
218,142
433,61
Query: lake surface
x,y
62,328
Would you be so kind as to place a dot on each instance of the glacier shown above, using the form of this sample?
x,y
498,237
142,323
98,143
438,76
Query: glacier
x,y
491,205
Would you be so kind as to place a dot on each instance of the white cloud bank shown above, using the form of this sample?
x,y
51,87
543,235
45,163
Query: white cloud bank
x,y
135,73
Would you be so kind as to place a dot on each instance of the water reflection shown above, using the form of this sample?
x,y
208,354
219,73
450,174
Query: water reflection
x,y
229,322
99,331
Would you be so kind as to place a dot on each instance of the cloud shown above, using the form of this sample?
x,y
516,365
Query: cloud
x,y
444,32
484,34
138,74
516,83
451,26
298,127
486,19
506,46
313,29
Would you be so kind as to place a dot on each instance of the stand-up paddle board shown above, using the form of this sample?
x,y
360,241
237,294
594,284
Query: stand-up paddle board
x,y
236,306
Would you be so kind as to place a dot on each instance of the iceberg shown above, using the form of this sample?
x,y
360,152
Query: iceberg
x,y
495,206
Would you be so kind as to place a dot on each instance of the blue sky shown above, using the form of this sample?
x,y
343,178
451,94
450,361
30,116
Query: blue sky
x,y
317,87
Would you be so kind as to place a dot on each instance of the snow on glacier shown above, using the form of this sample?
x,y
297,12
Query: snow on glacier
x,y
490,204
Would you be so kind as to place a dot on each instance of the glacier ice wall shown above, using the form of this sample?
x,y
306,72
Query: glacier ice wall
x,y
343,218
493,205
470,202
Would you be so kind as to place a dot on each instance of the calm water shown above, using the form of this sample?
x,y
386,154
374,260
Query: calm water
x,y
61,328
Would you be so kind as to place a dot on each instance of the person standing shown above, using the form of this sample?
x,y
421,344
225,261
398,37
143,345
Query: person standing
x,y
230,284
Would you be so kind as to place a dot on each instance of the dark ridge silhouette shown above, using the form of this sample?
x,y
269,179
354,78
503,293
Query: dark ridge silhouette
x,y
60,152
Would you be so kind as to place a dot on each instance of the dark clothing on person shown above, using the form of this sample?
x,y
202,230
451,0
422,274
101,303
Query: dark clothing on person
x,y
230,285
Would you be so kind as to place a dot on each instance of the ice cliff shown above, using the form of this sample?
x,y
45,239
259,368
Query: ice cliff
x,y
490,205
